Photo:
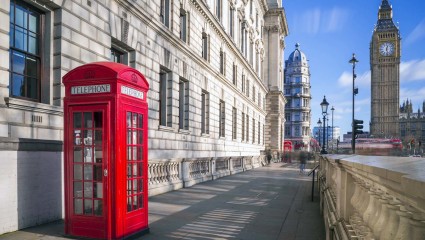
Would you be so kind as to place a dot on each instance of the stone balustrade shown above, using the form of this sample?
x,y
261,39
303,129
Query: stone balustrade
x,y
173,174
373,197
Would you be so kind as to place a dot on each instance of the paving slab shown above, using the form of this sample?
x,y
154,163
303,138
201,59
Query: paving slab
x,y
272,202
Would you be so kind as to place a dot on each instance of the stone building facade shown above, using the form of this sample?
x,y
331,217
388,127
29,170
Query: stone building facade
x,y
298,95
214,69
412,125
385,53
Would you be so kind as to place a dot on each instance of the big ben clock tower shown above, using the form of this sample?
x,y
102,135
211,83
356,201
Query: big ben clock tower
x,y
385,72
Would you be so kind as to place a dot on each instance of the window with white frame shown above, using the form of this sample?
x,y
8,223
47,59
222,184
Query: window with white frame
x,y
253,130
26,63
184,104
205,46
121,53
165,12
205,113
235,74
231,21
222,119
234,123
243,83
218,10
258,137
165,98
184,26
247,127
222,62
243,126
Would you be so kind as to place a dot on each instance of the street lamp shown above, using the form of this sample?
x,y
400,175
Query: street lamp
x,y
324,106
320,126
353,61
332,109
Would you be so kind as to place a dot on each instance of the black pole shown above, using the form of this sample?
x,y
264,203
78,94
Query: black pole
x,y
353,137
324,133
312,187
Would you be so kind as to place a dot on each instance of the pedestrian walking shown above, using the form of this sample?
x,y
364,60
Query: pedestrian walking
x,y
269,157
303,160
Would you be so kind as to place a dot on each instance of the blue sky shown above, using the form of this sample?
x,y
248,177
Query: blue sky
x,y
330,31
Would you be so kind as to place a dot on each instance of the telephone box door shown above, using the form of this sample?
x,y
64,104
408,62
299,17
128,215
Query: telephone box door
x,y
88,170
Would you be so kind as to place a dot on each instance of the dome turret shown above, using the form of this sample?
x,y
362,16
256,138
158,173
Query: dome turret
x,y
297,56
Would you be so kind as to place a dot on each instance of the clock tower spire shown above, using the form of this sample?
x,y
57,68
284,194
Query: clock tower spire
x,y
385,53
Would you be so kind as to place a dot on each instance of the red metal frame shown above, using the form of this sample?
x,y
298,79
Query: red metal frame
x,y
114,89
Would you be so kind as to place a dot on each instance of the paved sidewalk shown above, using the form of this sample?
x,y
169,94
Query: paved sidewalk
x,y
266,203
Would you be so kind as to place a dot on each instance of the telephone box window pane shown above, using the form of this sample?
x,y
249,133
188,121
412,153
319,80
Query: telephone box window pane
x,y
140,121
78,172
88,137
128,204
77,137
98,154
128,119
140,201
128,170
78,154
129,136
134,153
140,153
98,137
78,206
140,135
135,202
134,170
98,190
140,185
128,153
134,186
134,133
78,189
97,172
134,125
140,167
88,121
88,154
98,208
77,120
98,121
88,189
88,172
88,206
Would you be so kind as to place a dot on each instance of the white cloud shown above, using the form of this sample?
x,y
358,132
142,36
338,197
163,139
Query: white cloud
x,y
412,70
335,19
315,20
416,34
415,95
346,79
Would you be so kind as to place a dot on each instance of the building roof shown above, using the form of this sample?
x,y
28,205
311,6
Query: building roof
x,y
297,56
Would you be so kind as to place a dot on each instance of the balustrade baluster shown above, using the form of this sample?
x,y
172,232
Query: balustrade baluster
x,y
404,231
392,222
383,216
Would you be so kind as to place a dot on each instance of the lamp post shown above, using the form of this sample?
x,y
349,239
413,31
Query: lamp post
x,y
320,126
353,61
324,106
332,139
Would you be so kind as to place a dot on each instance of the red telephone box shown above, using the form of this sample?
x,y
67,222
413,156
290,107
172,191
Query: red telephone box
x,y
105,151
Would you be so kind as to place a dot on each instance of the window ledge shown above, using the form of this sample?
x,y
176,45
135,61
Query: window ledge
x,y
165,128
21,104
205,135
183,131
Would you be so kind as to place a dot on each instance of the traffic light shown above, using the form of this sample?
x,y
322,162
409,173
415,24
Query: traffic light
x,y
357,127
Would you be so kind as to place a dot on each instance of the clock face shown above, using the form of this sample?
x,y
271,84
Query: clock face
x,y
386,49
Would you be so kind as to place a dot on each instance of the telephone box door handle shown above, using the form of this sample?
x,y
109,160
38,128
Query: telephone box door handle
x,y
105,172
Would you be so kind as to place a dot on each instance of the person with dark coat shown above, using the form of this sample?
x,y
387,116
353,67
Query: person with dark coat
x,y
303,161
269,157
